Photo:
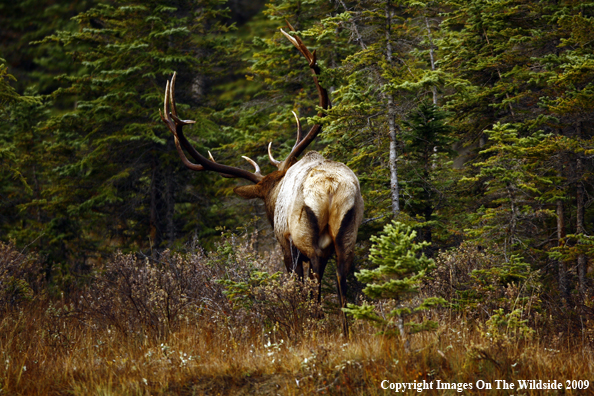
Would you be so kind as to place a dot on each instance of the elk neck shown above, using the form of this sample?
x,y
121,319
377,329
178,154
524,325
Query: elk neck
x,y
271,187
267,190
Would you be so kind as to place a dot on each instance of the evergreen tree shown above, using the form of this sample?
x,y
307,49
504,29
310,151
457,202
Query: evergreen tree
x,y
377,58
386,75
27,21
516,62
401,267
427,173
514,178
22,136
115,178
18,114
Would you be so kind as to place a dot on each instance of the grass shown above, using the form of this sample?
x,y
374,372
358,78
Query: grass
x,y
45,355
170,326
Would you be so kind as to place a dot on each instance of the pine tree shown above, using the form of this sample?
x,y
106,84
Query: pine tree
x,y
401,267
116,180
426,169
523,64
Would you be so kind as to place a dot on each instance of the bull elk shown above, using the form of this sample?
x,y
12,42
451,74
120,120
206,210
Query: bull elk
x,y
314,204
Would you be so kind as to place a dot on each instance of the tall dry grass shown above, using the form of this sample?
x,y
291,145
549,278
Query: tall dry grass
x,y
168,325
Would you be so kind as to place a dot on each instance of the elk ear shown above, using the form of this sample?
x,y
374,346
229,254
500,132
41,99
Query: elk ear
x,y
249,192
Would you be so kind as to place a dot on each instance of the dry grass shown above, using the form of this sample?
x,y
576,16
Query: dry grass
x,y
40,358
140,329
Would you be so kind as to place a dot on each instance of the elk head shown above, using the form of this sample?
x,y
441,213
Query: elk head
x,y
314,205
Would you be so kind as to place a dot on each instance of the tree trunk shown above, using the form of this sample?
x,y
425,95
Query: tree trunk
x,y
392,123
403,337
560,241
391,107
37,193
513,223
582,261
170,206
393,157
354,29
431,55
153,217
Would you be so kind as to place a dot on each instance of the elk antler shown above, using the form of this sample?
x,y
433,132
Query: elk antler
x,y
175,125
301,144
299,130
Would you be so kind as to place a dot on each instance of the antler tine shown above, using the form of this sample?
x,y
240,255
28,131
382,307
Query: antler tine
x,y
292,39
170,116
299,130
172,94
185,160
222,174
165,103
289,25
313,59
257,170
296,41
173,125
173,113
272,160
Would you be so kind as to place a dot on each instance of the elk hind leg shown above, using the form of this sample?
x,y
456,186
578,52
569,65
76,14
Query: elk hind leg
x,y
344,243
318,266
317,258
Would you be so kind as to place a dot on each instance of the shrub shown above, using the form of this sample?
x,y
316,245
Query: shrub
x,y
156,295
21,277
228,290
506,327
281,302
479,283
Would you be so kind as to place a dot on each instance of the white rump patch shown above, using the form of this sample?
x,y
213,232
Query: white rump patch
x,y
325,240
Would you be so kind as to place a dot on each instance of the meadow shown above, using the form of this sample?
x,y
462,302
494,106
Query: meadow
x,y
218,323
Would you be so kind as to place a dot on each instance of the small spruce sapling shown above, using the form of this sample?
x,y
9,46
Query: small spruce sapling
x,y
401,268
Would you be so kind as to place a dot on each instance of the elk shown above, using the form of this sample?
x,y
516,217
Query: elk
x,y
314,205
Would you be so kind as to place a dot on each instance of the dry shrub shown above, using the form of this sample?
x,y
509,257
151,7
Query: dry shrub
x,y
21,277
216,345
153,296
227,290
478,283
282,303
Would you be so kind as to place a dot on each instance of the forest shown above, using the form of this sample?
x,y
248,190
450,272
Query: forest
x,y
469,125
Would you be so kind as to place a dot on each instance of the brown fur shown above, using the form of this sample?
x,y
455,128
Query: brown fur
x,y
315,208
314,204
263,190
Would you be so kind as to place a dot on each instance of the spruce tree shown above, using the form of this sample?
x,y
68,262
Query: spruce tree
x,y
116,178
521,97
23,171
18,180
401,267
377,62
427,168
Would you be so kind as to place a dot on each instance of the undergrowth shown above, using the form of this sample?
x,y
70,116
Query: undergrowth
x,y
219,323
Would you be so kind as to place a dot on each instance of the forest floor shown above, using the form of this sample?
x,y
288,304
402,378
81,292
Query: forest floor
x,y
43,355
223,324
